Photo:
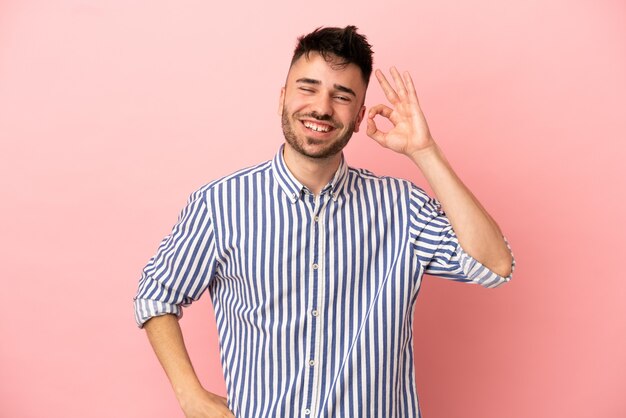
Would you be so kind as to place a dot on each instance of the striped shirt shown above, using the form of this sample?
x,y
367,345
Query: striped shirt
x,y
313,295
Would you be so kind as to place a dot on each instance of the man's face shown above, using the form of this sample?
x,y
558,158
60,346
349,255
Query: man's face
x,y
321,106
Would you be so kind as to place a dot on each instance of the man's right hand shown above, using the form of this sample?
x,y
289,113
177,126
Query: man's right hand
x,y
204,404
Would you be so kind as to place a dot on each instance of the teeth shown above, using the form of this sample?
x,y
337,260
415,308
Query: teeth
x,y
315,127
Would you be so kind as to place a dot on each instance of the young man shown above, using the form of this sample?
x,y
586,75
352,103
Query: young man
x,y
313,267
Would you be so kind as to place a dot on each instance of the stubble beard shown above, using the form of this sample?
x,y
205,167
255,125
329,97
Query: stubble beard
x,y
299,144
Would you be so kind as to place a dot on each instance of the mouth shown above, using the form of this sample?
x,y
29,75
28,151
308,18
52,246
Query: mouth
x,y
318,127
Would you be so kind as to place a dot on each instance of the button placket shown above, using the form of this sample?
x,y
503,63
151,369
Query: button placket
x,y
317,290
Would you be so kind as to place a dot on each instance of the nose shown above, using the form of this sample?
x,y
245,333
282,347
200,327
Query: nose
x,y
322,105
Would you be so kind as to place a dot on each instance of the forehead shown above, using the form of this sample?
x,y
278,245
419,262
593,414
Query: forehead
x,y
328,73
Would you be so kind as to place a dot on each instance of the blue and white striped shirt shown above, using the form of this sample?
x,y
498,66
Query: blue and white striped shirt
x,y
313,295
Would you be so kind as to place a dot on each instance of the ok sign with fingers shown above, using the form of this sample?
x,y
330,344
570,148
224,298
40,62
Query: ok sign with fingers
x,y
410,133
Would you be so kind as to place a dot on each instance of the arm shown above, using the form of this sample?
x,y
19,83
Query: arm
x,y
167,341
175,277
477,232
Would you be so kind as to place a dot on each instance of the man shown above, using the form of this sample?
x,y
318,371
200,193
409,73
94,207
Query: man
x,y
313,267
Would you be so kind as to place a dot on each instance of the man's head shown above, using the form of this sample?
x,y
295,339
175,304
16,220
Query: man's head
x,y
339,46
321,104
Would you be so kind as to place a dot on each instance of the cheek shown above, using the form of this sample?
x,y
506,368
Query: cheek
x,y
292,99
352,116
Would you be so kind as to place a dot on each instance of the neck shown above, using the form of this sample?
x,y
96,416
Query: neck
x,y
314,173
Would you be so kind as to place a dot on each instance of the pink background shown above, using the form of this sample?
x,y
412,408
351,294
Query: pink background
x,y
112,113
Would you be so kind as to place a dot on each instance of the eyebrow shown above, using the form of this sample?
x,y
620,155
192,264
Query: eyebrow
x,y
317,82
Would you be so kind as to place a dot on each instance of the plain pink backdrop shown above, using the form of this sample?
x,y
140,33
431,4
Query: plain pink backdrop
x,y
112,113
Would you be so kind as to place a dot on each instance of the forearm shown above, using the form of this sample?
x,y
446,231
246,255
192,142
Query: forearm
x,y
167,341
477,232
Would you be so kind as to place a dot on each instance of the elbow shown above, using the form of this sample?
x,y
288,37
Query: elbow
x,y
504,272
504,266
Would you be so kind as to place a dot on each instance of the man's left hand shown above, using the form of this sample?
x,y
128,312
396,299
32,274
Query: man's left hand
x,y
410,133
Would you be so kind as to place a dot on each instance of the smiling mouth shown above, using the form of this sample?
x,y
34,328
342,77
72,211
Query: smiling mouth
x,y
317,127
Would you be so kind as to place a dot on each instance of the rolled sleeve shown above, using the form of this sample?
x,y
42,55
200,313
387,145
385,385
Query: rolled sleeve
x,y
182,267
478,273
146,309
438,249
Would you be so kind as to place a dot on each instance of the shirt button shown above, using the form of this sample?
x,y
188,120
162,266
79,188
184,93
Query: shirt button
x,y
314,266
307,412
317,218
311,362
315,312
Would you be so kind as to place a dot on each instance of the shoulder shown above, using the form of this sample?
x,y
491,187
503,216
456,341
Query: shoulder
x,y
399,189
361,177
229,179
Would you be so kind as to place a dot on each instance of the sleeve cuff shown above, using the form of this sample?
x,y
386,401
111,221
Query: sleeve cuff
x,y
146,309
480,274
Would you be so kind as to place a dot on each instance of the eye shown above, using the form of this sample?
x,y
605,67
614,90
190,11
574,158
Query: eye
x,y
342,98
306,89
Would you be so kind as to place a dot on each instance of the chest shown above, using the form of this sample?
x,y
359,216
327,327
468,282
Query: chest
x,y
267,239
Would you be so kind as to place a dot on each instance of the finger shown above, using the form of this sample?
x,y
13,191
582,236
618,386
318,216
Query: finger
x,y
227,413
410,87
390,93
373,131
380,109
400,88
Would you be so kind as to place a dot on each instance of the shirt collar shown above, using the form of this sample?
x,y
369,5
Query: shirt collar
x,y
294,189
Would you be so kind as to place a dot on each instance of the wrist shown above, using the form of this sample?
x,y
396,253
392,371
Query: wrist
x,y
423,156
187,390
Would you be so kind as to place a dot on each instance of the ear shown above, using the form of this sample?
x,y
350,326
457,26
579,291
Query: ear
x,y
359,119
281,101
